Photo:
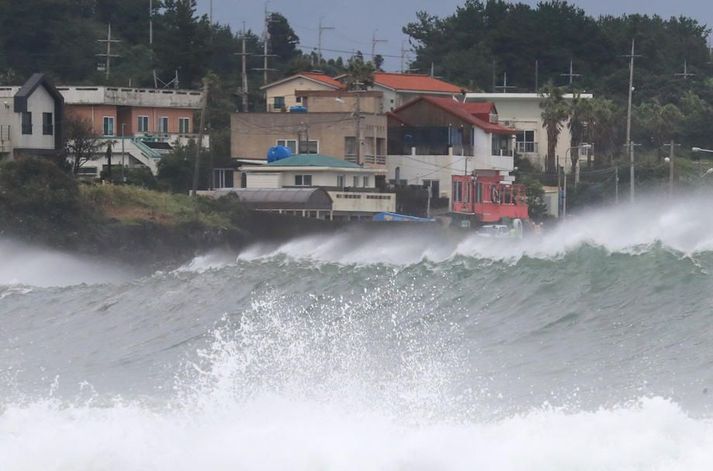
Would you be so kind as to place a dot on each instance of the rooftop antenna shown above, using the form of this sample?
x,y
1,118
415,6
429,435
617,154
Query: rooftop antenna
x,y
571,75
374,42
108,55
505,87
210,12
322,29
403,55
685,74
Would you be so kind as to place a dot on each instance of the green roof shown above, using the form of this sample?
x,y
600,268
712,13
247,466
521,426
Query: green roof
x,y
312,160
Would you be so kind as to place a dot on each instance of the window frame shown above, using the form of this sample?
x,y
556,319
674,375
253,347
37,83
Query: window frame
x,y
180,125
47,126
105,128
161,128
285,143
140,121
303,179
26,123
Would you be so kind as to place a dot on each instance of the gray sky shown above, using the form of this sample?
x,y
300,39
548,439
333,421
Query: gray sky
x,y
357,21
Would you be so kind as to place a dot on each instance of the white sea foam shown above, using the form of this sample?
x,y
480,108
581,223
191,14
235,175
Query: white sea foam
x,y
34,266
274,433
683,225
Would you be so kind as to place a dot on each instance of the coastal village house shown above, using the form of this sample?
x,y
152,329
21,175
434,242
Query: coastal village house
x,y
281,95
522,111
351,188
399,89
142,124
31,120
359,138
431,139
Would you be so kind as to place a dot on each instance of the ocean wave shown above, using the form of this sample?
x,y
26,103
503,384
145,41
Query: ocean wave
x,y
274,433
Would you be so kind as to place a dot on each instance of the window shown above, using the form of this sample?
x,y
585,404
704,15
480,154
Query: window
x,y
355,182
341,181
526,141
365,182
457,191
433,186
183,125
479,193
47,124
303,180
143,124
163,125
108,125
27,122
350,147
279,103
309,147
289,143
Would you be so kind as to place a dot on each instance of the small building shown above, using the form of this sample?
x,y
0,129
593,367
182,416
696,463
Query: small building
x,y
351,187
523,112
142,124
31,118
399,89
339,134
431,139
281,95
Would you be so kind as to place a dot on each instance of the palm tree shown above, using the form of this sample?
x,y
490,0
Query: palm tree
x,y
554,113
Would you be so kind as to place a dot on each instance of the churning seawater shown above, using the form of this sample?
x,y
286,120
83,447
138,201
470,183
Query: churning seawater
x,y
587,349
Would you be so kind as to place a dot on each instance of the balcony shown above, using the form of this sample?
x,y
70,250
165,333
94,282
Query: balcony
x,y
493,162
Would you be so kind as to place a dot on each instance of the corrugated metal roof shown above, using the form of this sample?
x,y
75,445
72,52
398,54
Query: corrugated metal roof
x,y
282,198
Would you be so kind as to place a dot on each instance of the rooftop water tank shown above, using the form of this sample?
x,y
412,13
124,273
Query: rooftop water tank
x,y
298,109
278,153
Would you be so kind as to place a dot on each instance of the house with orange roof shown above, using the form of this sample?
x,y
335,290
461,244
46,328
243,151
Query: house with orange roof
x,y
398,89
282,95
459,151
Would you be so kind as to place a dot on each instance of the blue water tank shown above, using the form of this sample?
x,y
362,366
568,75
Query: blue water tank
x,y
278,153
298,109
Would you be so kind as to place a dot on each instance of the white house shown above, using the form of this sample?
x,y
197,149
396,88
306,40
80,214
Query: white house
x,y
431,139
31,119
281,95
351,187
522,111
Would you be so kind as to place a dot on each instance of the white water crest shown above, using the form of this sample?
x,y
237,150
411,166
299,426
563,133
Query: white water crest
x,y
683,225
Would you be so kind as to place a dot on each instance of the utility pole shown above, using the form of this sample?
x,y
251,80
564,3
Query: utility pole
x,y
630,145
266,42
537,76
321,30
210,13
403,56
504,87
685,74
244,59
616,184
108,55
199,144
358,118
151,22
672,145
571,75
374,42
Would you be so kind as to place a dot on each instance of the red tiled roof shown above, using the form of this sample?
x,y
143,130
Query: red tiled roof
x,y
477,114
415,82
324,78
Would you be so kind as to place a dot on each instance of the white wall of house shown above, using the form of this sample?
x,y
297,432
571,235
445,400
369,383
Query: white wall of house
x,y
287,89
320,178
40,102
522,111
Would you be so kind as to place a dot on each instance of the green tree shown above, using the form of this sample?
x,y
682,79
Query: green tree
x,y
554,113
360,74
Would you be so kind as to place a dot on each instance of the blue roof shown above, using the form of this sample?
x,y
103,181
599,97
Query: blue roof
x,y
312,160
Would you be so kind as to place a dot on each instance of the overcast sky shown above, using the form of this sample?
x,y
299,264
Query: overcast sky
x,y
357,21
